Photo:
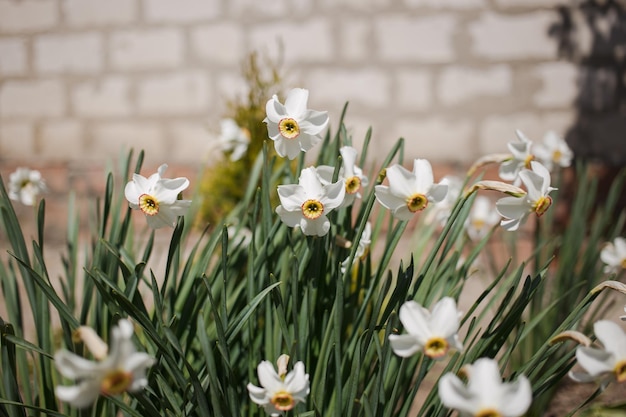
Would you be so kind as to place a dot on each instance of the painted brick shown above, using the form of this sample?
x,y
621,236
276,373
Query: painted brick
x,y
148,49
228,87
79,54
531,3
303,41
190,141
109,139
27,15
437,138
178,93
220,43
497,130
41,98
12,56
104,98
412,39
180,11
356,5
414,89
17,140
88,13
559,84
355,39
447,4
363,87
460,84
523,36
57,137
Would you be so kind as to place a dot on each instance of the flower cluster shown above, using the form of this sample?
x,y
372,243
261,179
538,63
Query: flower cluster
x,y
25,185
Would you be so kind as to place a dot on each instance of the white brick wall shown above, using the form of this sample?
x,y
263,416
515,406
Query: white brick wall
x,y
27,15
362,88
559,84
462,84
108,97
59,137
32,99
181,11
180,93
96,13
146,49
414,89
12,56
16,139
219,43
77,54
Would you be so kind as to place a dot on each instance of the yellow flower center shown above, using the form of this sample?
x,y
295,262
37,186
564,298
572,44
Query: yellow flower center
x,y
148,204
436,347
623,263
416,202
288,128
116,382
283,401
488,412
528,160
620,371
542,205
312,209
353,184
478,223
556,156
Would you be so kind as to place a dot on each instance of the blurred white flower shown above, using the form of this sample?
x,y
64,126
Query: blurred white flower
x,y
279,392
124,369
363,246
482,217
157,198
435,333
409,192
442,210
349,173
292,126
515,210
307,203
239,235
553,151
614,255
25,185
607,364
520,158
485,394
233,139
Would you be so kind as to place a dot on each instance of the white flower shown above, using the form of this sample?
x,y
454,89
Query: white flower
x,y
520,158
349,173
614,255
234,139
485,394
279,392
239,236
25,185
292,126
443,209
157,198
409,192
363,246
553,151
607,364
481,218
307,203
435,333
123,369
515,210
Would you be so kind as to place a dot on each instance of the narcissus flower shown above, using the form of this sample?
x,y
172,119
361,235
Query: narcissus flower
x,y
409,192
608,363
157,198
481,218
307,204
25,185
280,391
537,200
614,255
485,395
349,173
292,126
443,209
553,151
234,139
434,333
123,369
520,158
362,248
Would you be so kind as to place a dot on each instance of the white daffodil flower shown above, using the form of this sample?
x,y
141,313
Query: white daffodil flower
x,y
363,246
435,333
123,369
279,392
614,255
409,192
443,209
485,395
553,151
349,173
482,217
233,139
307,204
157,198
607,364
25,185
292,126
520,158
515,210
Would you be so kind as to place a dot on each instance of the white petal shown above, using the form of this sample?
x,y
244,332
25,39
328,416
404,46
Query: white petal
x,y
454,394
314,122
258,394
404,345
275,110
317,227
132,192
387,199
291,196
348,154
268,377
73,366
272,129
325,173
297,381
513,207
333,196
81,395
290,218
485,381
515,397
595,361
533,183
438,192
306,141
423,172
444,319
401,181
416,320
612,337
310,183
296,102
